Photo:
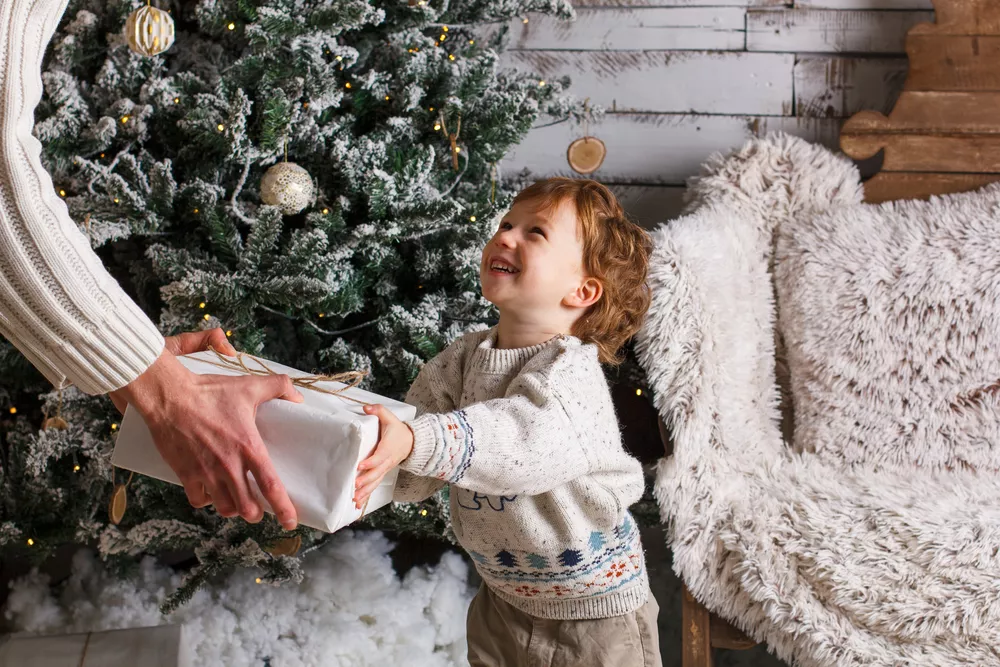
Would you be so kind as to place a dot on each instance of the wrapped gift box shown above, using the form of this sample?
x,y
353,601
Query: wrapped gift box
x,y
161,646
315,446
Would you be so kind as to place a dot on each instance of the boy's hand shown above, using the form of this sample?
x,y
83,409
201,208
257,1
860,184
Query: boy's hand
x,y
394,445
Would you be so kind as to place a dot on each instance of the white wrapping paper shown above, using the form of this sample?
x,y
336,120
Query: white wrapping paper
x,y
161,646
315,446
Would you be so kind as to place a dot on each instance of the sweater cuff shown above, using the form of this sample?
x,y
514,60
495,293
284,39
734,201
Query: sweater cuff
x,y
424,445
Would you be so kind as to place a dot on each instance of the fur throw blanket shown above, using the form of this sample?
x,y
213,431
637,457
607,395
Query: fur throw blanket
x,y
829,563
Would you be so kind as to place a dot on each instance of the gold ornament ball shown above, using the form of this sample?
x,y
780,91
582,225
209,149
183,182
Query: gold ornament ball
x,y
149,31
287,186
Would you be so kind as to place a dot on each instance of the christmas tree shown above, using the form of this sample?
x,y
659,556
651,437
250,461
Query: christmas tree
x,y
397,112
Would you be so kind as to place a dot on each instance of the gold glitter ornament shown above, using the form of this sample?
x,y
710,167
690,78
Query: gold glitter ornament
x,y
149,31
287,186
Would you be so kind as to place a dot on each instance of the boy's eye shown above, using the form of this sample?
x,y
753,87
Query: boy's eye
x,y
505,225
538,230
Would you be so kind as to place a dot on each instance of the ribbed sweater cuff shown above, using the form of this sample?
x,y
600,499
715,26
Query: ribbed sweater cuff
x,y
425,443
618,603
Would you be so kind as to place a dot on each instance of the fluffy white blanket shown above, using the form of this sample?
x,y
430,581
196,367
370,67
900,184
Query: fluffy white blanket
x,y
828,564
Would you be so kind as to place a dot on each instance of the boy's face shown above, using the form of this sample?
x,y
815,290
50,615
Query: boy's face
x,y
534,263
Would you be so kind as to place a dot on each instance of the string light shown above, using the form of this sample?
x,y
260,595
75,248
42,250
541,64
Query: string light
x,y
76,468
458,149
472,41
258,580
432,109
116,200
347,85
423,512
638,392
325,211
221,127
114,426
207,317
124,119
386,98
443,37
177,100
445,28
196,211
437,126
472,218
339,58
229,333
541,83
102,154
305,105
524,20
232,26
451,56
31,542
62,193
322,314
201,305
13,411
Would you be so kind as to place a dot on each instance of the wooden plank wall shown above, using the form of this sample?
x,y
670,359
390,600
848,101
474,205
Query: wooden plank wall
x,y
681,79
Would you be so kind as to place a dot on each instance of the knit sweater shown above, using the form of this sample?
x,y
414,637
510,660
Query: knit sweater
x,y
540,482
58,305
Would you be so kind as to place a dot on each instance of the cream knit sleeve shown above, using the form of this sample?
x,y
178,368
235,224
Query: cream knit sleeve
x,y
437,389
58,305
530,441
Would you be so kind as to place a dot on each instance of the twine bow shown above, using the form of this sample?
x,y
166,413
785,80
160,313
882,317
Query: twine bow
x,y
350,379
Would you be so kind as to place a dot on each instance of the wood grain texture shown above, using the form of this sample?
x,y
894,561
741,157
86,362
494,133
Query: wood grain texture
x,y
696,648
653,28
865,4
670,81
830,31
657,148
928,153
890,186
964,17
838,86
723,635
929,112
953,62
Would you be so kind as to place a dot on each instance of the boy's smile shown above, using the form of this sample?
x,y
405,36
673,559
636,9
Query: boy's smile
x,y
534,261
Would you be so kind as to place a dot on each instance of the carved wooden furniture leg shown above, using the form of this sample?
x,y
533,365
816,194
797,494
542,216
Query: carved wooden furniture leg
x,y
696,639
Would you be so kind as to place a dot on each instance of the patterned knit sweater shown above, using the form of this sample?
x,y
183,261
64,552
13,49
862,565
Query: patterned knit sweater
x,y
540,483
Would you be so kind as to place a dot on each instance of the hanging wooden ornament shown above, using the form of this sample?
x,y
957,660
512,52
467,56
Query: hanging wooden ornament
x,y
286,546
119,502
56,422
149,31
452,137
586,154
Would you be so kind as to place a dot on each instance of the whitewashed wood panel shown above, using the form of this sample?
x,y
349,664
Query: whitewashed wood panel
x,y
830,31
670,81
650,205
655,28
865,4
836,86
657,148
683,3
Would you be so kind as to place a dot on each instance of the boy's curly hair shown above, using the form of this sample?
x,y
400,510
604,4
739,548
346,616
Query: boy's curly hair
x,y
615,252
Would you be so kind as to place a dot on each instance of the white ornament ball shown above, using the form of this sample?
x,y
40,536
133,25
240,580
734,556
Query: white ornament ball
x,y
287,186
149,31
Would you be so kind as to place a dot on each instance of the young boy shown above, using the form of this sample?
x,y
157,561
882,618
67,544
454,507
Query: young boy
x,y
519,421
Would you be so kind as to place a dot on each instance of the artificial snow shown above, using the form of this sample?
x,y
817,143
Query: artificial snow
x,y
351,608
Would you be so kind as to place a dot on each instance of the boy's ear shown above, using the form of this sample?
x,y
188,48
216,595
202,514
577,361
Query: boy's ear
x,y
586,295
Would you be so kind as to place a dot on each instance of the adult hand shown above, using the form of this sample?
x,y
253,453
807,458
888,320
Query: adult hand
x,y
186,343
204,427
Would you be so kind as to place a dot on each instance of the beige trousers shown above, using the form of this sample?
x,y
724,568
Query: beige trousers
x,y
502,636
